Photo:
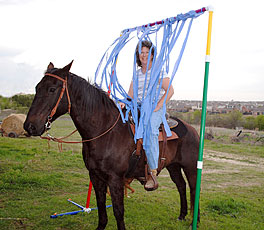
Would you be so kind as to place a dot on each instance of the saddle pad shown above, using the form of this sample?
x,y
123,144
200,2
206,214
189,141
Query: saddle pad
x,y
172,123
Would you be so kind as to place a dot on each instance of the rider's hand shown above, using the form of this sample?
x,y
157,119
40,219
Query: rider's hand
x,y
157,108
122,105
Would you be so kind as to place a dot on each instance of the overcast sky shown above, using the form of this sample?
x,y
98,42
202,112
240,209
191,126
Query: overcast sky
x,y
35,32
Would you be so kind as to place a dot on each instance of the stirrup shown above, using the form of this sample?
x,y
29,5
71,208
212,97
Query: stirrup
x,y
152,178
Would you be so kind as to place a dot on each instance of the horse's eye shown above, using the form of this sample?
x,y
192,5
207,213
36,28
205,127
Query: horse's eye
x,y
52,89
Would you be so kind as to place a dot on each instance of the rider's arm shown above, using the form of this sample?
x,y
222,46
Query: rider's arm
x,y
165,86
130,91
130,94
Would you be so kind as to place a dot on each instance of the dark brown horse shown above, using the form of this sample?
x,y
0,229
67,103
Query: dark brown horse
x,y
107,156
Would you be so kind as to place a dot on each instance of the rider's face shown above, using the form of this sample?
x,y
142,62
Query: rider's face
x,y
143,57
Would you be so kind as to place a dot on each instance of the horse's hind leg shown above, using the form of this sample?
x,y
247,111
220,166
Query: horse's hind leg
x,y
100,192
176,176
116,186
191,177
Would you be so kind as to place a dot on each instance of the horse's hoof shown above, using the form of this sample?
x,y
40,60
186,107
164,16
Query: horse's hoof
x,y
191,226
181,218
100,228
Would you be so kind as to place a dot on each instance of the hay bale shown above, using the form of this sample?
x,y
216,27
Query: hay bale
x,y
13,125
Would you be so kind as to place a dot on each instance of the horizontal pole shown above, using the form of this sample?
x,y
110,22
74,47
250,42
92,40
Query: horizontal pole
x,y
162,21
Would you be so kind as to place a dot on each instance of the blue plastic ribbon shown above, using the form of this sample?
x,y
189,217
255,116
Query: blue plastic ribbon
x,y
107,76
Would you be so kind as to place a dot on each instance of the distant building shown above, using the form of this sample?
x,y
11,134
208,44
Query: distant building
x,y
254,108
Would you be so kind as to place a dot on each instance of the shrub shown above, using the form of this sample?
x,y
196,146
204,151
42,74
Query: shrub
x,y
249,122
23,100
234,119
260,122
21,103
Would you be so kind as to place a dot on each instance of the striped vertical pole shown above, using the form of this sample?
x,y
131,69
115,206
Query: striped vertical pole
x,y
203,119
89,195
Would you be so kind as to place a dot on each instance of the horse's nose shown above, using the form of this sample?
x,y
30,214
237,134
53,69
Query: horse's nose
x,y
30,128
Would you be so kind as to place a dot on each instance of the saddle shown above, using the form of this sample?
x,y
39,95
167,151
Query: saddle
x,y
139,148
162,135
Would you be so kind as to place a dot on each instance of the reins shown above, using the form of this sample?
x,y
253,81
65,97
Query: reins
x,y
53,111
60,140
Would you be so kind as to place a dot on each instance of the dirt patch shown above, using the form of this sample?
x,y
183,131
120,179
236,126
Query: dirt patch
x,y
234,159
223,170
219,171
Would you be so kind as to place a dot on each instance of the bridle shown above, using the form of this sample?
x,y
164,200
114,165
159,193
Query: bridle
x,y
64,87
53,111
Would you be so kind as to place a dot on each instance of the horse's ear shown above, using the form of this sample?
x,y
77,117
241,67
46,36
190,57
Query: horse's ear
x,y
67,67
50,66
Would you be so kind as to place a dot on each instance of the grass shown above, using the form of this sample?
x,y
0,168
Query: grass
x,y
236,148
36,181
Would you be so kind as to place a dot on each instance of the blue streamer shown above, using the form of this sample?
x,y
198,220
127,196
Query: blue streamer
x,y
108,76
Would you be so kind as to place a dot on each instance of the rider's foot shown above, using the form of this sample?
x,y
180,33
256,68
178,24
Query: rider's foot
x,y
152,183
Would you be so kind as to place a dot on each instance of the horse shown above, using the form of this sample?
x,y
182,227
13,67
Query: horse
x,y
107,141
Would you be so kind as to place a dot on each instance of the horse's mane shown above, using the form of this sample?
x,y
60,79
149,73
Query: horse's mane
x,y
90,97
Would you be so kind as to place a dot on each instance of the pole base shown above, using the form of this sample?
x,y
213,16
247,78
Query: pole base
x,y
83,209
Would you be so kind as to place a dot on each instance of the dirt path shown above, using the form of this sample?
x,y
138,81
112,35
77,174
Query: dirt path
x,y
249,161
222,170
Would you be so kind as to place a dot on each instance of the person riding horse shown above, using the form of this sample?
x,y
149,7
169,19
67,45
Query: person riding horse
x,y
143,74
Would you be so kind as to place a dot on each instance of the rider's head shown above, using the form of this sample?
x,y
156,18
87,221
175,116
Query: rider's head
x,y
148,45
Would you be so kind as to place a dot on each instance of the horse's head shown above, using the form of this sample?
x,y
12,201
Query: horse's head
x,y
51,100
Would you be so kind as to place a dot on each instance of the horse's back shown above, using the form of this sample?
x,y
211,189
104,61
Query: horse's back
x,y
185,149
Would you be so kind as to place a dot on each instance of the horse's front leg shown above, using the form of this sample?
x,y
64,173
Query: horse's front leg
x,y
100,192
116,186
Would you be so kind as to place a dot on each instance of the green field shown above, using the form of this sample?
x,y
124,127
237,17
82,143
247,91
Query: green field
x,y
37,179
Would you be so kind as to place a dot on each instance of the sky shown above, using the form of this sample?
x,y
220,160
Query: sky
x,y
36,32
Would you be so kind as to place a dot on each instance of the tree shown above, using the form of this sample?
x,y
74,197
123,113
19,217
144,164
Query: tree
x,y
249,122
215,120
20,103
234,119
23,100
260,122
5,103
197,116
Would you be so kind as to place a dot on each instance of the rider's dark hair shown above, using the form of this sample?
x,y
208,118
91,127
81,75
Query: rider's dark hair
x,y
147,44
